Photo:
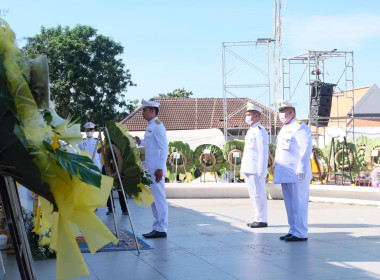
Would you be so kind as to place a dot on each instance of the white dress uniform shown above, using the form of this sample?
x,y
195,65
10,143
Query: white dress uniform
x,y
294,148
156,153
255,162
89,145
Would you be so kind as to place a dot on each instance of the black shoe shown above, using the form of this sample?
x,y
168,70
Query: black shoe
x,y
156,234
285,236
147,234
257,225
109,212
295,238
125,212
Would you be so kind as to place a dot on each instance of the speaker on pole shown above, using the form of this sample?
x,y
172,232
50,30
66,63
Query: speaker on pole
x,y
320,103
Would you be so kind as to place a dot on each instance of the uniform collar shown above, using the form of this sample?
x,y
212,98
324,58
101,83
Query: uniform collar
x,y
292,121
255,124
153,120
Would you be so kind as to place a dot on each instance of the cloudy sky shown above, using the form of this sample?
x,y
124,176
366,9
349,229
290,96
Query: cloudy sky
x,y
178,44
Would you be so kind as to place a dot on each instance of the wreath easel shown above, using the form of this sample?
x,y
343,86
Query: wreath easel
x,y
204,161
173,161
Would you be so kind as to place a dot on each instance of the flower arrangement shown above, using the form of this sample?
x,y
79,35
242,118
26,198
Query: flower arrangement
x,y
375,177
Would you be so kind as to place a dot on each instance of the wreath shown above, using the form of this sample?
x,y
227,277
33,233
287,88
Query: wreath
x,y
338,160
231,159
207,160
231,147
186,161
216,159
181,163
110,163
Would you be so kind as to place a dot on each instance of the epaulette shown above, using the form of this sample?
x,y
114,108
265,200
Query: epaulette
x,y
298,121
157,122
259,126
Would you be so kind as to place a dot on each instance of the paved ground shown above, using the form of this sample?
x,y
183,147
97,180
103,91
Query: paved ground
x,y
208,239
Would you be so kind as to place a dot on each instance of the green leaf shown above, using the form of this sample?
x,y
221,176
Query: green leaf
x,y
79,166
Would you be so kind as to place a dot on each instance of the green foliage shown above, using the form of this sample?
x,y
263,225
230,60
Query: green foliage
x,y
319,153
355,168
272,149
362,142
217,152
374,144
14,156
88,81
179,146
232,145
177,93
81,167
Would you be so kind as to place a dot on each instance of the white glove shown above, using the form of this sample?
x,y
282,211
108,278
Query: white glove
x,y
301,176
262,176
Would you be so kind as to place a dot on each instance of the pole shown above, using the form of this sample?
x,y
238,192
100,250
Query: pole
x,y
121,186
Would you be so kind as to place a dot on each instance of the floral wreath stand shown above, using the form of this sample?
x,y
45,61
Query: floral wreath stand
x,y
116,175
15,222
345,152
204,157
173,161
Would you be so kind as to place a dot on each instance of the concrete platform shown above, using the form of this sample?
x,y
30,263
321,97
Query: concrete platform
x,y
321,193
208,239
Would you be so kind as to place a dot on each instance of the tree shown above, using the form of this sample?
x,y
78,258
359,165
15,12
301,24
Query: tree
x,y
177,93
87,80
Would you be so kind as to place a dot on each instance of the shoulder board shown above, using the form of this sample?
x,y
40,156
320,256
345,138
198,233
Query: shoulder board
x,y
298,121
157,122
259,127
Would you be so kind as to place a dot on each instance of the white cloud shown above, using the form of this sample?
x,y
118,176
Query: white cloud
x,y
348,32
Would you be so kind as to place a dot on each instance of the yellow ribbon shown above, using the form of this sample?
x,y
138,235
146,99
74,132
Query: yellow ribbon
x,y
75,199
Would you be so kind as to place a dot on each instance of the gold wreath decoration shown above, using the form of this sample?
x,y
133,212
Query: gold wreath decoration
x,y
229,157
171,157
350,156
206,156
111,168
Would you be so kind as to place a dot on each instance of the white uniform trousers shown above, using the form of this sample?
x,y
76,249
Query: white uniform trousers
x,y
256,190
296,198
160,205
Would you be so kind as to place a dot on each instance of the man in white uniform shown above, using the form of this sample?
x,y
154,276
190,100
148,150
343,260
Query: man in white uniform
x,y
254,165
88,144
293,170
156,153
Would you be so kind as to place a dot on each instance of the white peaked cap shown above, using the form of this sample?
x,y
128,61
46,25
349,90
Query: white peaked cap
x,y
149,103
285,104
89,125
251,107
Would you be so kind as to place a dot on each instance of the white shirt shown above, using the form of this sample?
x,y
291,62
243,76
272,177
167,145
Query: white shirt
x,y
255,156
293,151
89,145
156,146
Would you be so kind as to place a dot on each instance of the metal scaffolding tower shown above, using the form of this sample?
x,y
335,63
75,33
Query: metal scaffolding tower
x,y
320,66
256,58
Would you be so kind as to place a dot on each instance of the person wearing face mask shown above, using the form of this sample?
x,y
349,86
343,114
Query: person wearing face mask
x,y
254,165
88,144
156,153
293,170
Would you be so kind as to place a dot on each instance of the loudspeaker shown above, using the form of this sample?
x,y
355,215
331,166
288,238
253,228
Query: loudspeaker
x,y
320,102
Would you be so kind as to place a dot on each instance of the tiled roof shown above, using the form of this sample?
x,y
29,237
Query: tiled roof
x,y
198,113
366,123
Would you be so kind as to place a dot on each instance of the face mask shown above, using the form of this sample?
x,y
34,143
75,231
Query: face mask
x,y
89,134
282,117
248,120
